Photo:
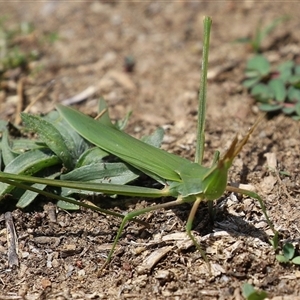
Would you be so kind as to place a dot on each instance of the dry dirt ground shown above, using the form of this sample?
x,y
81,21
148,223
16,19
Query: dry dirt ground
x,y
60,252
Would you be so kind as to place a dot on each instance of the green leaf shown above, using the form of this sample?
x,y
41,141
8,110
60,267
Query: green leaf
x,y
297,108
287,65
28,197
113,173
252,74
258,295
251,294
282,259
288,110
294,80
285,70
73,141
247,289
21,145
285,173
262,92
105,118
29,163
293,94
3,125
278,88
297,69
32,161
269,107
248,83
8,154
259,64
155,139
296,260
288,251
91,156
67,205
51,136
121,124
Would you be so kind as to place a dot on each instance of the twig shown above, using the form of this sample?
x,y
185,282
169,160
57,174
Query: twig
x,y
12,241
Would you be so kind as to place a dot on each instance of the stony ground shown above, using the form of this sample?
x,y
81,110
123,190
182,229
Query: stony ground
x,y
81,47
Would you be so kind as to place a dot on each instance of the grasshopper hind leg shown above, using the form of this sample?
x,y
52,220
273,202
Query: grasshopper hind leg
x,y
262,206
132,215
129,217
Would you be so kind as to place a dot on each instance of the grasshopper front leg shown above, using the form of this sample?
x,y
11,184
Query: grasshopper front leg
x,y
188,227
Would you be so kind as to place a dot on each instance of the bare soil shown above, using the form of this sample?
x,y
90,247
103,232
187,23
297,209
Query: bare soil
x,y
61,252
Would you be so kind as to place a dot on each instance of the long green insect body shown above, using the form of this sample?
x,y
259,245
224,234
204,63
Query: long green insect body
x,y
185,180
184,177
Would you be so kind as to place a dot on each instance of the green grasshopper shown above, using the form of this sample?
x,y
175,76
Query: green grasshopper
x,y
188,182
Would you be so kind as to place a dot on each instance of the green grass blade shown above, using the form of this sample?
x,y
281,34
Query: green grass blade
x,y
202,94
105,118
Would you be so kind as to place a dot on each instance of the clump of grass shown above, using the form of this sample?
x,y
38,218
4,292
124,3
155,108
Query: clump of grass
x,y
255,41
18,44
11,54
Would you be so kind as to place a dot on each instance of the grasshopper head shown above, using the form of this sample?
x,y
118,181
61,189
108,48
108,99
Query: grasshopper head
x,y
215,181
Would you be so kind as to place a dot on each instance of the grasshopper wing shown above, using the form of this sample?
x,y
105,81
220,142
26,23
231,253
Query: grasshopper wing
x,y
144,157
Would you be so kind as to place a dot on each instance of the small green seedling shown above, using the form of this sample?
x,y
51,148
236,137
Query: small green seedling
x,y
11,56
188,182
288,255
14,50
277,89
251,294
255,41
